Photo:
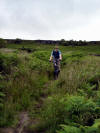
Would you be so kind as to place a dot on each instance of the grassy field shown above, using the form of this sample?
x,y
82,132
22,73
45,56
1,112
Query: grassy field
x,y
70,104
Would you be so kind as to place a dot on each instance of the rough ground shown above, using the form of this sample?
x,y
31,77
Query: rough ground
x,y
24,119
6,50
23,122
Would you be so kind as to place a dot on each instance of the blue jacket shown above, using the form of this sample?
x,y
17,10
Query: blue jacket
x,y
56,54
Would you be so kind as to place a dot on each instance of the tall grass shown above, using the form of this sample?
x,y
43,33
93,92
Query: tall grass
x,y
77,90
72,100
76,75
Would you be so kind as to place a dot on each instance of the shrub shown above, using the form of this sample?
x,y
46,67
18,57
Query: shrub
x,y
2,43
18,41
69,129
94,80
2,95
82,129
7,62
70,110
72,57
53,113
80,110
39,61
42,55
7,115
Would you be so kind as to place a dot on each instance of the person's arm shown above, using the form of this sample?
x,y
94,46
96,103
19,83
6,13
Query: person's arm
x,y
51,56
60,55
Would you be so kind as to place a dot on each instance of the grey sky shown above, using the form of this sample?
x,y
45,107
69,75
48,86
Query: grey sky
x,y
50,19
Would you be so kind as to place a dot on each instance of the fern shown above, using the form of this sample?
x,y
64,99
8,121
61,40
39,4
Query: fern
x,y
69,129
2,95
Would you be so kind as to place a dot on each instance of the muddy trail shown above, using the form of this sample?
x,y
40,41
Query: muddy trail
x,y
22,125
25,120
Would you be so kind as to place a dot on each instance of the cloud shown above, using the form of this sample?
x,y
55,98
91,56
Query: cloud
x,y
49,19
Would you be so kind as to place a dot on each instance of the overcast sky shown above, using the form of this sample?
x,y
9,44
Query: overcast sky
x,y
50,19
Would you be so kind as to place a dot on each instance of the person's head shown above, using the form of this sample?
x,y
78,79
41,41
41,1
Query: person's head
x,y
56,47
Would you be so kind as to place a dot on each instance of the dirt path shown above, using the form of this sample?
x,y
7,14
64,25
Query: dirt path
x,y
23,122
7,130
7,50
24,119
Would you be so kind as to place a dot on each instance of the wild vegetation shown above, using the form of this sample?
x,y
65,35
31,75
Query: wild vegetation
x,y
2,43
70,104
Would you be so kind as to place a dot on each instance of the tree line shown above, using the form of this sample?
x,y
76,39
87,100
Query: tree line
x,y
4,42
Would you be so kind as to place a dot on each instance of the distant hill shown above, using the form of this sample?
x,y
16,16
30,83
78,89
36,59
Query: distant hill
x,y
62,42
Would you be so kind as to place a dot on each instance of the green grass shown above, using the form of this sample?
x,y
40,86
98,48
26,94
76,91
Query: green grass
x,y
71,102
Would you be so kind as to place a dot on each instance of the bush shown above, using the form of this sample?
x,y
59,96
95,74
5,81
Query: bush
x,y
42,55
7,115
2,43
39,61
94,80
37,64
18,41
69,129
82,129
53,113
7,62
70,110
95,128
72,57
80,110
2,95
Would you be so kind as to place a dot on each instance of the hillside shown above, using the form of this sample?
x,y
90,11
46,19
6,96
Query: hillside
x,y
31,101
52,42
